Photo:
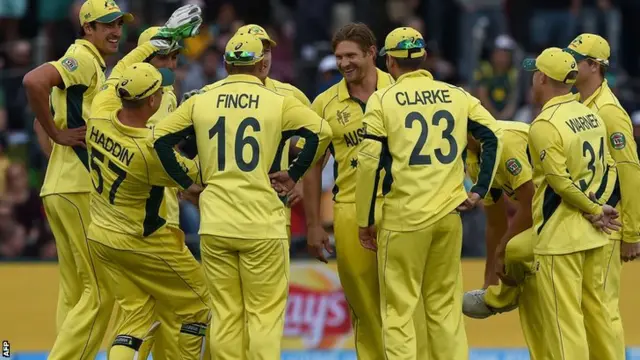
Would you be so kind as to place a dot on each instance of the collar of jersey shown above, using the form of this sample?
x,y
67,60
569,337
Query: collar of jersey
x,y
417,73
93,50
270,84
242,78
383,81
128,130
596,93
558,100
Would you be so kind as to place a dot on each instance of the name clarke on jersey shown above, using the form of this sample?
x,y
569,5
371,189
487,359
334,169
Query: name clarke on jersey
x,y
112,146
424,97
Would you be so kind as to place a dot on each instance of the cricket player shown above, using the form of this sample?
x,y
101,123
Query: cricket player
x,y
510,244
570,160
72,81
141,260
417,130
163,347
280,88
343,105
238,127
592,56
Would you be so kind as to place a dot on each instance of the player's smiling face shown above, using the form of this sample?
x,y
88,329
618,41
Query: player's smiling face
x,y
106,37
352,61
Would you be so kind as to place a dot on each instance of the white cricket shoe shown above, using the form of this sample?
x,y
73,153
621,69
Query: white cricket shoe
x,y
474,306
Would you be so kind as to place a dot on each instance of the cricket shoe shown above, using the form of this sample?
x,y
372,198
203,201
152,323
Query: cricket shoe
x,y
474,306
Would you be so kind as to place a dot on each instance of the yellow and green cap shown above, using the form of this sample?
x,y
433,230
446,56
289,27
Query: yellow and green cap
x,y
404,42
257,31
151,32
590,46
142,80
243,49
102,11
555,63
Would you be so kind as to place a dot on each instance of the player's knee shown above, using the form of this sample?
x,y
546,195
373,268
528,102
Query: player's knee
x,y
517,252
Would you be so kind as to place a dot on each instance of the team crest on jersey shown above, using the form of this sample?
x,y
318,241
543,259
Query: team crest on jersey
x,y
618,141
70,64
514,166
343,117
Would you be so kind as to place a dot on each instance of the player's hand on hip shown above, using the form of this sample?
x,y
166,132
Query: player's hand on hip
x,y
367,237
295,195
317,242
629,251
470,202
71,137
282,183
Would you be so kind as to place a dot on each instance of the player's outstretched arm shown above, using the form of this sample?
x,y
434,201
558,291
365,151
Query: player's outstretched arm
x,y
484,128
169,132
545,142
38,84
622,146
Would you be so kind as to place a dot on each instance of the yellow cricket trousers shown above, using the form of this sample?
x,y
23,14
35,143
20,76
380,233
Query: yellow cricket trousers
x,y
357,269
249,284
84,305
158,271
519,265
612,293
575,317
424,262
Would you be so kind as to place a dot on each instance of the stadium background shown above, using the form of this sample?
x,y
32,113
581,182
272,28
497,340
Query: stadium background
x,y
476,44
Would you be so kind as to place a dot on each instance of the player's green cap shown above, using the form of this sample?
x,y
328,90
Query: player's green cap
x,y
102,11
555,63
590,46
149,33
243,49
404,42
142,80
258,31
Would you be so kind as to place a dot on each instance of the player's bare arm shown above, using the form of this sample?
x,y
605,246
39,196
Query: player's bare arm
x,y
522,220
317,237
495,230
43,139
38,84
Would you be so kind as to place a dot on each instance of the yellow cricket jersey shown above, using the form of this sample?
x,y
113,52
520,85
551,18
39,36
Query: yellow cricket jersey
x,y
128,178
417,128
345,113
82,71
168,105
238,126
570,160
622,147
283,151
514,168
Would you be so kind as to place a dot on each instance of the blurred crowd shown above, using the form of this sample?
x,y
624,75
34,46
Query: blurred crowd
x,y
476,44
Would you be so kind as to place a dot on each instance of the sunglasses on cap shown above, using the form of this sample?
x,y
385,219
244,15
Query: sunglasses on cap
x,y
239,56
411,45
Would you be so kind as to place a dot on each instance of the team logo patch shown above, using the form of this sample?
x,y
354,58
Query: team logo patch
x,y
343,117
618,141
255,31
543,154
514,166
70,64
238,46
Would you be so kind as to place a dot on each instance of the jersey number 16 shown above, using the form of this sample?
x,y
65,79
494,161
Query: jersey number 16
x,y
240,142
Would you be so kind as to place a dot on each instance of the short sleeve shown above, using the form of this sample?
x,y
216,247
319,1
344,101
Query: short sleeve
x,y
75,69
373,120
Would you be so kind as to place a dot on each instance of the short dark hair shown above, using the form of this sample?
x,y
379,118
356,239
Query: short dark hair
x,y
411,64
359,33
242,69
82,33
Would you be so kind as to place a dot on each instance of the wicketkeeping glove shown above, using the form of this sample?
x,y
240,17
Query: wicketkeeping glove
x,y
183,23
